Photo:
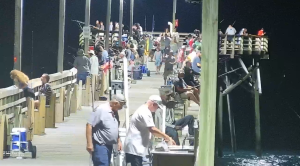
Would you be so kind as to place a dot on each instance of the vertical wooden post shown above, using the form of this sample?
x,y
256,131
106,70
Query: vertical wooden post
x,y
59,109
208,95
103,80
30,119
230,113
257,117
79,95
220,124
39,117
87,92
67,103
3,138
50,112
74,104
61,35
17,118
94,78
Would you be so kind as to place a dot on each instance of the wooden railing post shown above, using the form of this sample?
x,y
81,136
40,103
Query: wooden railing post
x,y
59,109
39,117
103,79
50,112
29,124
79,98
74,100
3,136
17,117
86,93
67,103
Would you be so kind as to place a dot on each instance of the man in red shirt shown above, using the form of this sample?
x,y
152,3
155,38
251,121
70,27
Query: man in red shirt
x,y
261,32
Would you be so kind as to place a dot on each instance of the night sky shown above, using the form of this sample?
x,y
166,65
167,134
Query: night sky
x,y
280,79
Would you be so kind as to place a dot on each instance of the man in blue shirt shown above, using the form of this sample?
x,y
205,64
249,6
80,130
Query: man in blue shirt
x,y
196,63
104,55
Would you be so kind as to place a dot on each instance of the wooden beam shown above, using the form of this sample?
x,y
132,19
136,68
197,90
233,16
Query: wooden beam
x,y
74,101
79,99
67,103
29,125
59,107
208,95
3,138
39,117
50,112
18,117
257,117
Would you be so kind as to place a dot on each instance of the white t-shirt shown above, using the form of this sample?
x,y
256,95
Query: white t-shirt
x,y
94,65
138,136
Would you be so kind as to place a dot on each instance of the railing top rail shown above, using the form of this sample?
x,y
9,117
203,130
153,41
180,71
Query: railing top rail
x,y
12,90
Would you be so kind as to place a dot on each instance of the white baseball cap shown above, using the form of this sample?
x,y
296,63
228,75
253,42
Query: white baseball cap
x,y
157,99
92,52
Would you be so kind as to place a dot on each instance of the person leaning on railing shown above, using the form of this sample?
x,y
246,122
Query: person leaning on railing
x,y
21,81
44,90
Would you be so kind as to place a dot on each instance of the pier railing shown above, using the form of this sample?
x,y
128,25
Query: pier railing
x,y
244,45
17,111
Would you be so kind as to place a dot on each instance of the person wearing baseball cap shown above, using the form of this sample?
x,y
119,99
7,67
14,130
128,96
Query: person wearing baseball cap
x,y
140,130
94,63
102,130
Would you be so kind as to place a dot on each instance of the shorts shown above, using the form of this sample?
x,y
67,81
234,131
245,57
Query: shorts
x,y
184,95
167,73
157,63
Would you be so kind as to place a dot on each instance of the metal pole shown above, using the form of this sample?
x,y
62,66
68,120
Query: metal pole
x,y
108,12
87,23
131,16
61,36
120,22
18,33
174,14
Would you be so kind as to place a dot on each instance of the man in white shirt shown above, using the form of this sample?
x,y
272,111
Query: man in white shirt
x,y
230,31
94,63
140,129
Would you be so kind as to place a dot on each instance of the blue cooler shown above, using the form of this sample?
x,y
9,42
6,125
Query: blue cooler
x,y
19,138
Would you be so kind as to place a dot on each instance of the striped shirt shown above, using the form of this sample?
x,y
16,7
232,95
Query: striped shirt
x,y
46,91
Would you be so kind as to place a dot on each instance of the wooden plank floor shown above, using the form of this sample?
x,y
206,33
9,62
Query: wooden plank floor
x,y
65,145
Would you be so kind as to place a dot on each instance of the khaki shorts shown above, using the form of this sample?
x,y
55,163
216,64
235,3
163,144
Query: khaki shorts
x,y
167,73
184,95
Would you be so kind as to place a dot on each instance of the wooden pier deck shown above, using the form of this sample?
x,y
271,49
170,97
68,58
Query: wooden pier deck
x,y
65,145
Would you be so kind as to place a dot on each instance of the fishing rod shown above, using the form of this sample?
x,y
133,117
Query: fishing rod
x,y
233,23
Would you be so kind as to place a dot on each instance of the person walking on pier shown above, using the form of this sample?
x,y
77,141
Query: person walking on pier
x,y
83,66
158,60
169,63
140,129
102,130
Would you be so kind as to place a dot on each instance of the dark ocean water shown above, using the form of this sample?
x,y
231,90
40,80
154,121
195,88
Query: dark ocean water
x,y
269,158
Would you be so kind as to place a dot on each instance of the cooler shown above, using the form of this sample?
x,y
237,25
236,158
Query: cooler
x,y
137,74
21,132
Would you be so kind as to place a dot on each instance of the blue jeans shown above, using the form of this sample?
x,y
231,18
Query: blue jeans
x,y
102,155
82,77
